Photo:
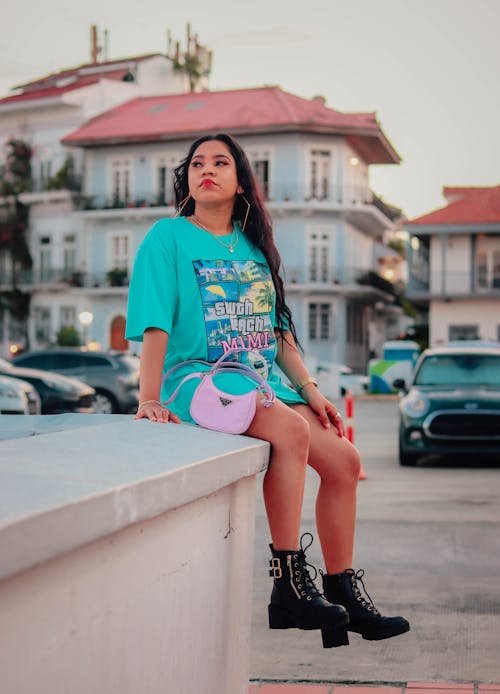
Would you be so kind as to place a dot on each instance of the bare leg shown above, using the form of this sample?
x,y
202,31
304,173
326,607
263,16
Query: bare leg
x,y
337,462
288,434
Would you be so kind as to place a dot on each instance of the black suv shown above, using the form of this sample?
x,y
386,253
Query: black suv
x,y
114,375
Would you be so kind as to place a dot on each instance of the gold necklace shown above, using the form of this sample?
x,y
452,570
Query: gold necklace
x,y
232,244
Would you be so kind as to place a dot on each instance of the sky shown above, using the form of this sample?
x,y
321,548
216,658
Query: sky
x,y
430,69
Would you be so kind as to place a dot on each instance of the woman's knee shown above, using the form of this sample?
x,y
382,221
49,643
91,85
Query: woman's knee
x,y
294,435
341,467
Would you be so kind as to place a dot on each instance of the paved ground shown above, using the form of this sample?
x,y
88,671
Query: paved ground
x,y
429,540
408,688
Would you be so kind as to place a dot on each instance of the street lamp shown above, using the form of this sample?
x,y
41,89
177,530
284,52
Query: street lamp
x,y
85,318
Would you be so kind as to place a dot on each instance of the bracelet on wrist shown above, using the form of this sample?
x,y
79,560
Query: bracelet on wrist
x,y
147,402
305,383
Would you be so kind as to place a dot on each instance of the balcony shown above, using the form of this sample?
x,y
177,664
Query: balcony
x,y
61,278
361,206
57,189
346,281
455,284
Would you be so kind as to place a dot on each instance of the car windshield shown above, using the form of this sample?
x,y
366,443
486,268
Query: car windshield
x,y
459,369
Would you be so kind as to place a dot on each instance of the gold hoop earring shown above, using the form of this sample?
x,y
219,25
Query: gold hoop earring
x,y
182,205
247,212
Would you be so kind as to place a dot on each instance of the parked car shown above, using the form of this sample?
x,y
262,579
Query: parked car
x,y
337,379
18,397
57,393
114,375
451,405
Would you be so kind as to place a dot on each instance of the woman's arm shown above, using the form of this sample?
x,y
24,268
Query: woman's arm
x,y
290,362
154,349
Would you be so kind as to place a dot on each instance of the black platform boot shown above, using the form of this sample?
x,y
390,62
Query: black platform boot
x,y
364,618
296,602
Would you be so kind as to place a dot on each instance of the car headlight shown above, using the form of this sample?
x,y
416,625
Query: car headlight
x,y
415,404
7,392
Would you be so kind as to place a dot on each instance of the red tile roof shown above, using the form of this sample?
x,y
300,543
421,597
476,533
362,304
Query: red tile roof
x,y
239,111
59,83
466,206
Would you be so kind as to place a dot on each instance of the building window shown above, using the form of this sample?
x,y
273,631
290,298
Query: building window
x,y
69,257
463,332
319,174
482,270
119,251
120,181
260,161
67,316
165,192
42,324
45,173
320,321
488,265
319,255
261,169
44,258
496,269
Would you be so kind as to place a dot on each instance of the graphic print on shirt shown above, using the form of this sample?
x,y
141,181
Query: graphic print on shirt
x,y
237,298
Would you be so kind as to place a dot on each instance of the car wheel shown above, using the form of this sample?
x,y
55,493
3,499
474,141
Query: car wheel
x,y
407,459
104,403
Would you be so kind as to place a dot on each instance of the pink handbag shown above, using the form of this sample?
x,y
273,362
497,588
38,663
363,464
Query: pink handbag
x,y
214,409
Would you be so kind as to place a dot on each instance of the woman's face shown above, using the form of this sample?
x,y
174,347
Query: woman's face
x,y
212,175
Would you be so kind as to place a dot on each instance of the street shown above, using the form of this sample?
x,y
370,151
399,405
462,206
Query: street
x,y
429,541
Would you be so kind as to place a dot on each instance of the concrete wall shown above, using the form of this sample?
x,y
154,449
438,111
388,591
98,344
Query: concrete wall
x,y
126,561
482,313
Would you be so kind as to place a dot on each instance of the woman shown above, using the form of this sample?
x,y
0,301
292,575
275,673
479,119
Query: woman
x,y
209,281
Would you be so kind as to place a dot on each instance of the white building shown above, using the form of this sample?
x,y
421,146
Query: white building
x,y
42,113
454,266
312,164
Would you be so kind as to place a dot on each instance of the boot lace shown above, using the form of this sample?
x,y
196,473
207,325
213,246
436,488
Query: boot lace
x,y
302,568
358,576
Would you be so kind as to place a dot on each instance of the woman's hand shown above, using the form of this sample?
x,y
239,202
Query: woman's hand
x,y
327,412
154,410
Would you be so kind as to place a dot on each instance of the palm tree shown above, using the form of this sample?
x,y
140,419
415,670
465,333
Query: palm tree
x,y
265,296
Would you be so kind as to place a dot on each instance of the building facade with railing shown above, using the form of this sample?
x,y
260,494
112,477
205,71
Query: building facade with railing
x,y
312,166
42,113
454,266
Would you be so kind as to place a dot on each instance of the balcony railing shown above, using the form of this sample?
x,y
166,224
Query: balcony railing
x,y
45,185
456,283
339,276
73,278
277,193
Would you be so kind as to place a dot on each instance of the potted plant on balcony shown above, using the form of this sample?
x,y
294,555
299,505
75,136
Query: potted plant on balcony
x,y
117,277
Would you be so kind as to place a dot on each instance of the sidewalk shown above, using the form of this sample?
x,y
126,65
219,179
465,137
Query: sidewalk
x,y
408,688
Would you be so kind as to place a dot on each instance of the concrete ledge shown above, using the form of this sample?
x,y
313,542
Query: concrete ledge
x,y
66,488
126,556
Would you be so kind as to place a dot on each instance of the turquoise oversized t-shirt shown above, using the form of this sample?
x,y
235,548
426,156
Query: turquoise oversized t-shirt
x,y
208,300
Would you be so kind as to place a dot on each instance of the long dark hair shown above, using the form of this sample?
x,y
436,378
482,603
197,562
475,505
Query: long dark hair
x,y
258,227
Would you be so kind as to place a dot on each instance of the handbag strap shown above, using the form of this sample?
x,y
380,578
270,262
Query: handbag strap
x,y
219,367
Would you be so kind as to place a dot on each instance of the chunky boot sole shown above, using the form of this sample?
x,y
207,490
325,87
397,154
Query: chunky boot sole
x,y
281,618
380,634
334,636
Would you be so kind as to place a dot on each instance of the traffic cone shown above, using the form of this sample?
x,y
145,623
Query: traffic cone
x,y
349,426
